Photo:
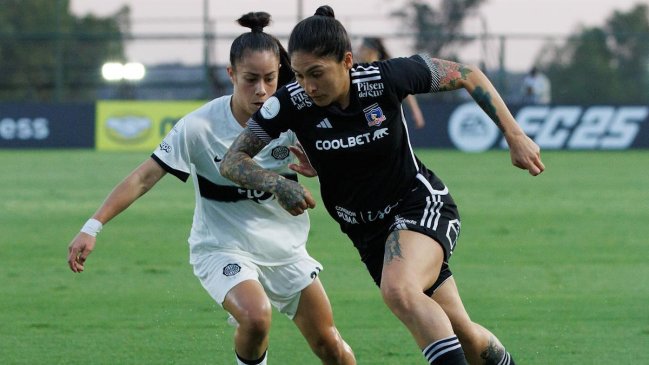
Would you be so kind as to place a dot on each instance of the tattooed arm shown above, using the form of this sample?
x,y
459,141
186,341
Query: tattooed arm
x,y
525,154
238,166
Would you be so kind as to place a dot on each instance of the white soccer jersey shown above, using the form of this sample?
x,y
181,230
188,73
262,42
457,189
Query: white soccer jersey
x,y
228,218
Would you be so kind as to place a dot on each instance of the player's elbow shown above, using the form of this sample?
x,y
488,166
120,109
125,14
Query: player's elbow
x,y
475,77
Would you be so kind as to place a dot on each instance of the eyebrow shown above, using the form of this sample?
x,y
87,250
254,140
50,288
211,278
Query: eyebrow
x,y
256,74
310,69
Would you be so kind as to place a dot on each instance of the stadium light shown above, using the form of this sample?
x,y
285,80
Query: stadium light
x,y
115,71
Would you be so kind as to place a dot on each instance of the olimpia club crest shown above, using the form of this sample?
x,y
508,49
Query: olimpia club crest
x,y
231,269
374,115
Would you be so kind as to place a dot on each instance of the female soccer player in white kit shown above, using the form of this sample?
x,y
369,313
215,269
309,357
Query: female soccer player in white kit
x,y
246,250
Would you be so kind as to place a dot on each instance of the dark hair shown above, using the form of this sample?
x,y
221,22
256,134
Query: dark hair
x,y
377,45
321,35
257,40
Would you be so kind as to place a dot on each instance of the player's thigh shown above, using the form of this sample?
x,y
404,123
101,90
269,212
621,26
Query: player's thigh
x,y
411,259
248,300
314,315
233,282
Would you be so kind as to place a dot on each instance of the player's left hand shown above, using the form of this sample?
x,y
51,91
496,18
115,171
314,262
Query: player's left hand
x,y
525,154
303,167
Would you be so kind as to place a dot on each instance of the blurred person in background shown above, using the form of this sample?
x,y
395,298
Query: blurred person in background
x,y
245,249
398,213
536,87
372,49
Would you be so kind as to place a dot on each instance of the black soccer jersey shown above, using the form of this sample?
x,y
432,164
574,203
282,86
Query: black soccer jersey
x,y
362,154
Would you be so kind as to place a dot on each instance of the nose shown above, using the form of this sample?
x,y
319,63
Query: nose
x,y
260,89
310,87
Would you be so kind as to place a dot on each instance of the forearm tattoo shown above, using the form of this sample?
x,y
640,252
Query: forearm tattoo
x,y
483,98
238,165
450,73
493,353
392,248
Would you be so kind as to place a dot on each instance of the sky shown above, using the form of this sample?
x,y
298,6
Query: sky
x,y
528,23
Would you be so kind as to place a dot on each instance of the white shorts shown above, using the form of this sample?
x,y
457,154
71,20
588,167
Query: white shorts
x,y
219,273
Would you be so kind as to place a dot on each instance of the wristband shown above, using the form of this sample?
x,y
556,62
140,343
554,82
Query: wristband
x,y
92,227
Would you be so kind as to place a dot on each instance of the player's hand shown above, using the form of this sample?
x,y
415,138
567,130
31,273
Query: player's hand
x,y
293,197
79,249
525,154
303,167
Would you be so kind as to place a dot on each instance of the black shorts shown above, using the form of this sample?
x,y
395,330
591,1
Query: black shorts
x,y
428,209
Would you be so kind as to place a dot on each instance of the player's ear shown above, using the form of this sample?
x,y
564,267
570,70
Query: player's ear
x,y
348,60
230,74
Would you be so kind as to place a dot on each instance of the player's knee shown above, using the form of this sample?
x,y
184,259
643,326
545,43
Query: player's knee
x,y
397,297
255,322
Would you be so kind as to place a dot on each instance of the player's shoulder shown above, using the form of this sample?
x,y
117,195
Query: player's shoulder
x,y
215,109
289,99
390,70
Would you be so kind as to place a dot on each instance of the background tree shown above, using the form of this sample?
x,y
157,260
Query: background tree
x,y
438,30
608,64
48,54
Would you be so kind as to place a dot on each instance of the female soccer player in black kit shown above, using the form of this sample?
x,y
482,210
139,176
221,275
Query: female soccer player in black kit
x,y
399,215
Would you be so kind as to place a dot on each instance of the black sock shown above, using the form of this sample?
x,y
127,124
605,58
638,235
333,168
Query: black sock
x,y
507,359
446,351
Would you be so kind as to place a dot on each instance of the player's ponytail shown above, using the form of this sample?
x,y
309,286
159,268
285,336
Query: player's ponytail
x,y
258,40
321,35
256,21
325,10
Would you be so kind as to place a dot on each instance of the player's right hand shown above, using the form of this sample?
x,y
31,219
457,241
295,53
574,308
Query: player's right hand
x,y
79,249
293,197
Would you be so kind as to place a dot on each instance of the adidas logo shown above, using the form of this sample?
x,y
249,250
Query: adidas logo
x,y
324,124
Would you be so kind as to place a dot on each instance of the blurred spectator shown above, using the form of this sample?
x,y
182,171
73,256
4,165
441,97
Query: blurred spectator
x,y
536,88
372,49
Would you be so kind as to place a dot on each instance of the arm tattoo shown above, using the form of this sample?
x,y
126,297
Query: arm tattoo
x,y
493,353
483,98
392,248
450,74
238,165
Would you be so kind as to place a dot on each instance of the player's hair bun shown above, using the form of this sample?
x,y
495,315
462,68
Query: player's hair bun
x,y
325,10
256,21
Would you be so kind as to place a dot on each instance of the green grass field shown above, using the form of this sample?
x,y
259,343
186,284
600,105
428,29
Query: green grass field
x,y
555,265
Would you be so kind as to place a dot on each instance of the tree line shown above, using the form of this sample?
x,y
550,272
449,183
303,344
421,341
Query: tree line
x,y
48,54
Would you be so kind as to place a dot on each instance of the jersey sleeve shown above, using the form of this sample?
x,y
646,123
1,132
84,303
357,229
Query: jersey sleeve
x,y
416,74
273,117
173,153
